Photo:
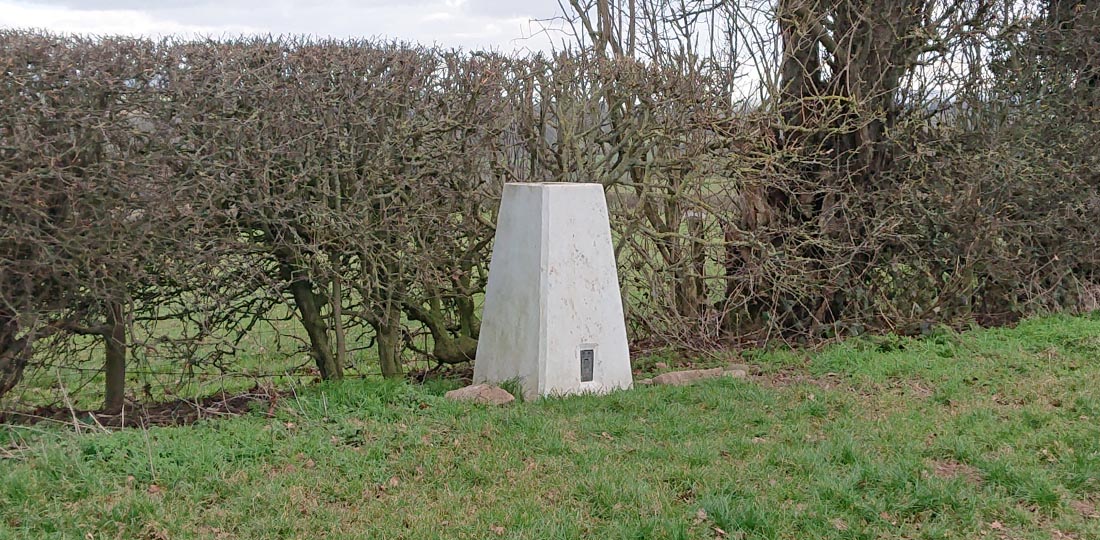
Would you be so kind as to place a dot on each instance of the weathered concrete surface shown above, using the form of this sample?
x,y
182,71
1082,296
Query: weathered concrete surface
x,y
553,291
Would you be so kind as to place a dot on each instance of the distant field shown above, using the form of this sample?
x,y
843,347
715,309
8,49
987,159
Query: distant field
x,y
267,355
273,353
987,434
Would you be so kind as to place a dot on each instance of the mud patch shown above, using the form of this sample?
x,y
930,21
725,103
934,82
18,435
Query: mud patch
x,y
921,390
791,377
950,469
1087,509
788,377
171,413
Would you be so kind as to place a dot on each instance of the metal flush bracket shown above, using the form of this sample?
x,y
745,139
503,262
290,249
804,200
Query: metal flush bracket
x,y
588,364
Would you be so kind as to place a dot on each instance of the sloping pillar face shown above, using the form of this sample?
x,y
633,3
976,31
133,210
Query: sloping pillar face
x,y
553,315
510,342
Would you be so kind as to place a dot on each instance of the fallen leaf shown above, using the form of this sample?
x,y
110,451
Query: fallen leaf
x,y
497,530
720,532
393,482
153,489
997,525
700,516
839,524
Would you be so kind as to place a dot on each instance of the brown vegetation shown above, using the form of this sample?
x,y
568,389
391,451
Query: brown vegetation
x,y
891,166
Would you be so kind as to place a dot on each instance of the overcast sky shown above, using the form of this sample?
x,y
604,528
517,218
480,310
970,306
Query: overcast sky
x,y
504,25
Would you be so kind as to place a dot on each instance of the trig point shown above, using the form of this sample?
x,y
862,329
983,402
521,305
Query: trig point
x,y
553,316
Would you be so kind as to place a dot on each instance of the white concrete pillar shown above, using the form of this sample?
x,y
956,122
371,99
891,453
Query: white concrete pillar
x,y
553,317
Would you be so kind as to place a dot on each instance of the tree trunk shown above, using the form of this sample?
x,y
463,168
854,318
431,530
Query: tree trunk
x,y
14,354
115,361
388,335
699,262
446,348
467,312
338,330
310,311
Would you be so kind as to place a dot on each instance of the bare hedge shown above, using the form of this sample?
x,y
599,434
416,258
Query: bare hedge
x,y
354,184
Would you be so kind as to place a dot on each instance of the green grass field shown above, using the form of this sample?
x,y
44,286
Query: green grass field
x,y
987,434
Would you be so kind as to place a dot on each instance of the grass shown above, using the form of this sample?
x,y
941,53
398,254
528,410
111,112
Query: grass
x,y
987,434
